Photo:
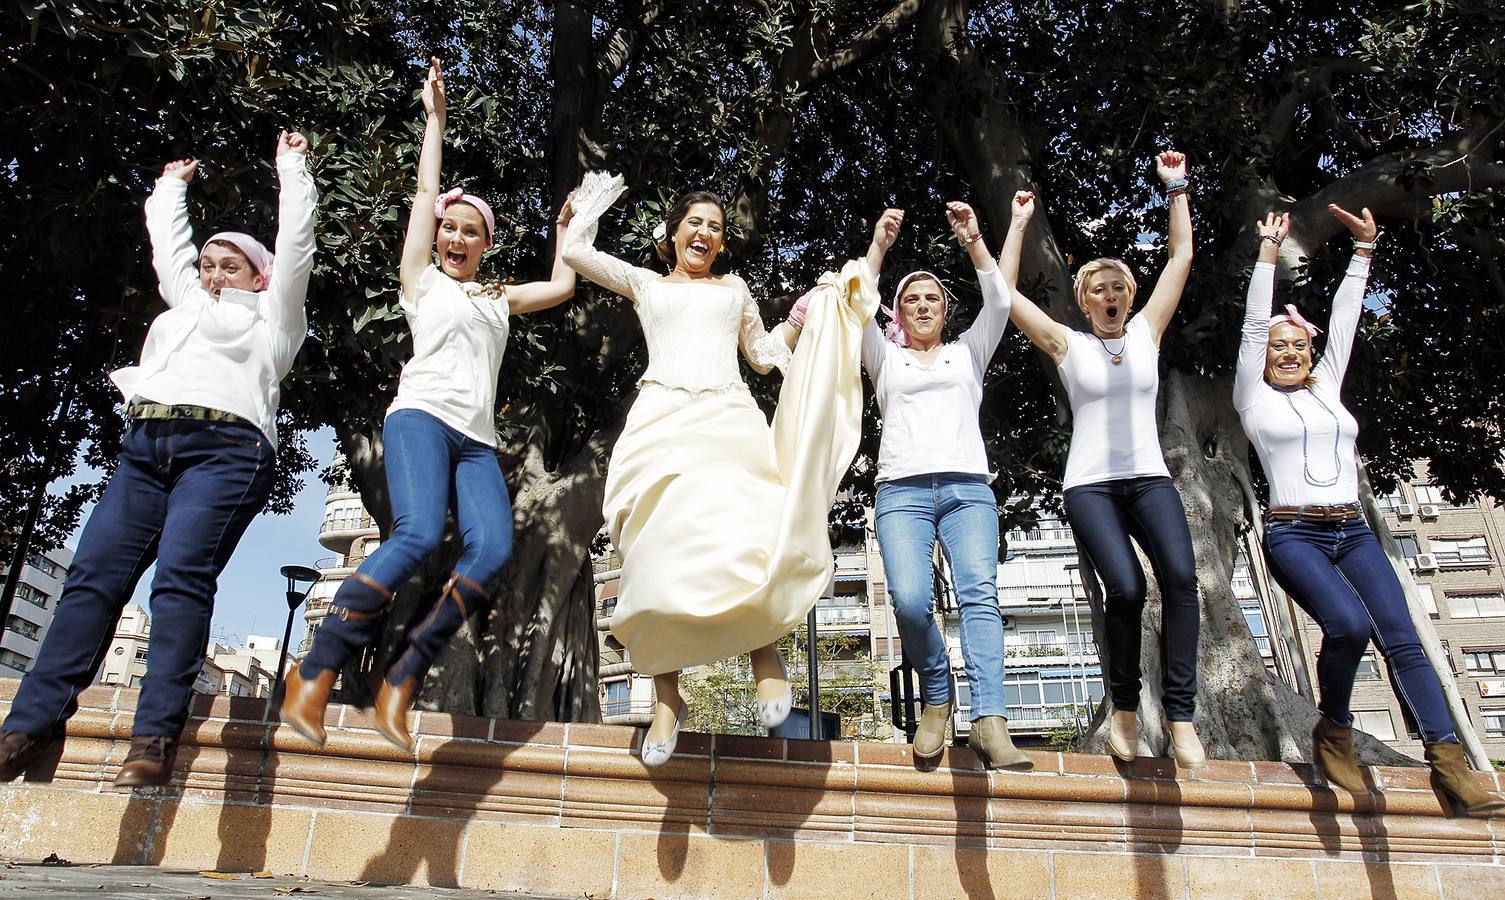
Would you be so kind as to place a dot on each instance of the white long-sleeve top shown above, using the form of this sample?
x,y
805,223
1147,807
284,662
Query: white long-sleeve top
x,y
693,329
459,336
229,354
1114,433
930,409
1305,437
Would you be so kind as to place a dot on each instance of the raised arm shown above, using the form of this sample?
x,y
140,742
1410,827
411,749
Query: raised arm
x,y
533,296
297,205
1348,302
173,254
417,245
1037,325
982,337
885,233
597,192
1161,307
1254,337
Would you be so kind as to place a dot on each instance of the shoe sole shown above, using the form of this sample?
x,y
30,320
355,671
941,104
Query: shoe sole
x,y
988,762
396,740
303,732
919,755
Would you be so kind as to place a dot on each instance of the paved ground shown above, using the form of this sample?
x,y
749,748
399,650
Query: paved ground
x,y
113,882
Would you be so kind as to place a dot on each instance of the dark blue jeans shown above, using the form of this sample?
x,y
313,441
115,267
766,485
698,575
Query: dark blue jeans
x,y
183,494
431,468
1104,516
1341,576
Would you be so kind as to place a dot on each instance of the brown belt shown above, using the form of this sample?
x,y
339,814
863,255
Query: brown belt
x,y
1315,512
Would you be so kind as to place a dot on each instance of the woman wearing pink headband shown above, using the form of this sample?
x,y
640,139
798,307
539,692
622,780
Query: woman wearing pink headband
x,y
439,441
933,479
1117,488
1319,547
195,467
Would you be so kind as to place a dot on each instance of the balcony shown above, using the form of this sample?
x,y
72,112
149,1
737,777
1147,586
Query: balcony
x,y
1064,649
843,616
627,712
338,531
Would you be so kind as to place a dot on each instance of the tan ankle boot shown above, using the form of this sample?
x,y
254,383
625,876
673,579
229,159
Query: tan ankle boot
x,y
930,735
1186,747
1453,776
991,742
1332,754
1123,734
304,701
393,702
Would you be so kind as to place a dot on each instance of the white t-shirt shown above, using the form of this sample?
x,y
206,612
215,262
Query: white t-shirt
x,y
1114,433
1305,438
930,409
459,334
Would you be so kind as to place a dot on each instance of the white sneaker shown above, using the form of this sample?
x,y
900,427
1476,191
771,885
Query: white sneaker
x,y
656,753
772,713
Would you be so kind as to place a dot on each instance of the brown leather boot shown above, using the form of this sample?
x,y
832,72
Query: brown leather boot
x,y
1452,775
18,751
991,742
304,701
149,762
393,701
1332,753
930,734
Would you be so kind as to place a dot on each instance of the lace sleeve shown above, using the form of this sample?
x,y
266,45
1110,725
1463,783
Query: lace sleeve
x,y
763,349
597,192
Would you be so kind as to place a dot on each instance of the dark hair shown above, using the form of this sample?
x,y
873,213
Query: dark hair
x,y
677,213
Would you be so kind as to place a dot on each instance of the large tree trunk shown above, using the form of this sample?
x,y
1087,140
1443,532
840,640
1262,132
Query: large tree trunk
x,y
1242,712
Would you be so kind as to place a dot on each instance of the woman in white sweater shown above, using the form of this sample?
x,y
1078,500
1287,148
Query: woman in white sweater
x,y
1319,548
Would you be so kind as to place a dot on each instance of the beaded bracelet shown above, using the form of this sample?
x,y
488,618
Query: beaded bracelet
x,y
972,238
1272,239
1177,186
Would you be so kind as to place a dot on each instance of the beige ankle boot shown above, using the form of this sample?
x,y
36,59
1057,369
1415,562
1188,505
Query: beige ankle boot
x,y
930,735
991,742
1123,734
1186,747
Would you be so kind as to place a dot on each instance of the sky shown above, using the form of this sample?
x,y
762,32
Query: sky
x,y
251,590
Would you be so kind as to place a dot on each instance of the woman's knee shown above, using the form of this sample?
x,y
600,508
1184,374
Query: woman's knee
x,y
1348,628
485,556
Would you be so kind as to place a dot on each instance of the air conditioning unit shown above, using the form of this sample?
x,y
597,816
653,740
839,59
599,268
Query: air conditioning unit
x,y
1428,511
1425,562
1411,564
1403,509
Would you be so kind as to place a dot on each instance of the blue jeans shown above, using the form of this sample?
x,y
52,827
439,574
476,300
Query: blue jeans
x,y
431,467
1105,516
959,509
1340,575
182,495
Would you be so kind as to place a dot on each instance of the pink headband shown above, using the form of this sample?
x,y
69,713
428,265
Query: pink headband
x,y
894,330
1120,265
254,250
458,195
1295,318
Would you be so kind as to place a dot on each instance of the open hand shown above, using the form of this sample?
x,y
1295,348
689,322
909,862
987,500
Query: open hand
x,y
291,142
1170,165
962,219
886,229
1275,225
181,168
1364,229
433,89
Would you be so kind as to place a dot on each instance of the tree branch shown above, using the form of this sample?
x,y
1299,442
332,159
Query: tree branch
x,y
1311,79
863,45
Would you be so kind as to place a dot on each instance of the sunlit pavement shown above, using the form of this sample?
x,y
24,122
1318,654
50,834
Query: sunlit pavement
x,y
61,880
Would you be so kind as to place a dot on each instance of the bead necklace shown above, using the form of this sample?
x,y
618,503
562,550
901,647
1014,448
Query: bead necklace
x,y
1306,456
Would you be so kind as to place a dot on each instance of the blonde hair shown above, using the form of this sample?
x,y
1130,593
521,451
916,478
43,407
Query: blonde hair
x,y
1089,269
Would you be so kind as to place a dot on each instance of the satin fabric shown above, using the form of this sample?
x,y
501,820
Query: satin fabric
x,y
721,520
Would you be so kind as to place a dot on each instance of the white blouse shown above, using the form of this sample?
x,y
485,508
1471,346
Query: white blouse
x,y
930,409
459,335
693,329
1114,433
1305,438
232,353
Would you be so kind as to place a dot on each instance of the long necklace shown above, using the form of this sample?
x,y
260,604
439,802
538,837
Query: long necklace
x,y
1306,456
1118,358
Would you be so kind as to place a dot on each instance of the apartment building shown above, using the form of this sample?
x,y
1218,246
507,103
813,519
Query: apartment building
x,y
351,533
246,671
31,611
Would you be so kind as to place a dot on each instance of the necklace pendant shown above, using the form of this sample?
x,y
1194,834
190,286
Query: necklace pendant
x,y
1118,359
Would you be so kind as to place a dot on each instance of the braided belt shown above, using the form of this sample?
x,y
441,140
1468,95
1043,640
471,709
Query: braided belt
x,y
1314,512
148,410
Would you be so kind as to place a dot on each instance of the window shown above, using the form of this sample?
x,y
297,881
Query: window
x,y
1369,670
618,701
15,660
1494,721
42,564
33,596
1432,494
1376,722
1390,501
1254,617
1408,546
140,654
1040,693
1459,551
1485,660
22,627
1428,599
1481,605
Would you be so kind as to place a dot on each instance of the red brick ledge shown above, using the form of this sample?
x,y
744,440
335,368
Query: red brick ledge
x,y
567,808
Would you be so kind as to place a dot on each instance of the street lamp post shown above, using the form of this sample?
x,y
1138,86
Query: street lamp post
x,y
295,598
